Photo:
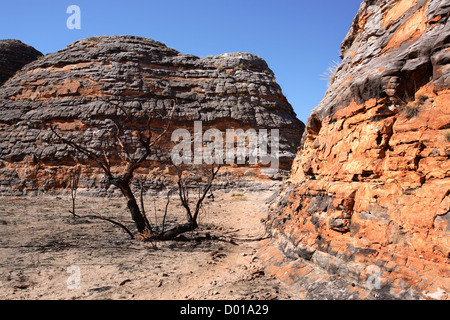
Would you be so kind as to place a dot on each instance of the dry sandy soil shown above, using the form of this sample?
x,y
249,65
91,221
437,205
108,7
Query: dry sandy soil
x,y
42,248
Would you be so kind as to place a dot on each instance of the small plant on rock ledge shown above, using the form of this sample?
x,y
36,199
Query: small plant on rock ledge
x,y
331,73
411,110
423,98
92,39
447,136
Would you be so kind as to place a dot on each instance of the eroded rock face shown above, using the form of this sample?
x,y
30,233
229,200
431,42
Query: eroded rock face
x,y
13,56
365,214
392,49
83,89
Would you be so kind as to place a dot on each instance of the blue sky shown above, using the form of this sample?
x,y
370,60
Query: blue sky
x,y
299,39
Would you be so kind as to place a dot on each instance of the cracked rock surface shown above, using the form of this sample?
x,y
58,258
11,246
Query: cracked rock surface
x,y
83,89
366,212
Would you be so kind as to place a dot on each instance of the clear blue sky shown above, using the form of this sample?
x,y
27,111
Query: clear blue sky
x,y
299,39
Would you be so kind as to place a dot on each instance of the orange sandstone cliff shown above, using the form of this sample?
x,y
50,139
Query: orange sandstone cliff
x,y
366,212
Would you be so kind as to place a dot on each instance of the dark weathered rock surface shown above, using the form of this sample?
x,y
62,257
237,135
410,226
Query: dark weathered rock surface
x,y
392,49
82,89
13,56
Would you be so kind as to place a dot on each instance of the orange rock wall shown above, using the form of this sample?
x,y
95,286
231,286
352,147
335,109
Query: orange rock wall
x,y
367,207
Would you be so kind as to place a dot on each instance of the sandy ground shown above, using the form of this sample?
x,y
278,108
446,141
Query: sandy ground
x,y
46,254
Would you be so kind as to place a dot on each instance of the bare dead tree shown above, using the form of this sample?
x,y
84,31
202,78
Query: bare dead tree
x,y
74,181
134,159
183,192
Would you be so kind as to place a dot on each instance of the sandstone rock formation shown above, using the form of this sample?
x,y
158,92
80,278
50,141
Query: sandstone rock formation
x,y
366,212
84,89
13,56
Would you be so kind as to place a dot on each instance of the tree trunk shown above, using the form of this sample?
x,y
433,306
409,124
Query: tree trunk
x,y
179,229
136,214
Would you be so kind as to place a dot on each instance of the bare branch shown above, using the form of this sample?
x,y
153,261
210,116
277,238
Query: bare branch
x,y
147,222
169,194
119,141
182,192
108,164
74,181
133,159
206,190
192,223
109,220
167,126
90,154
118,105
148,144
